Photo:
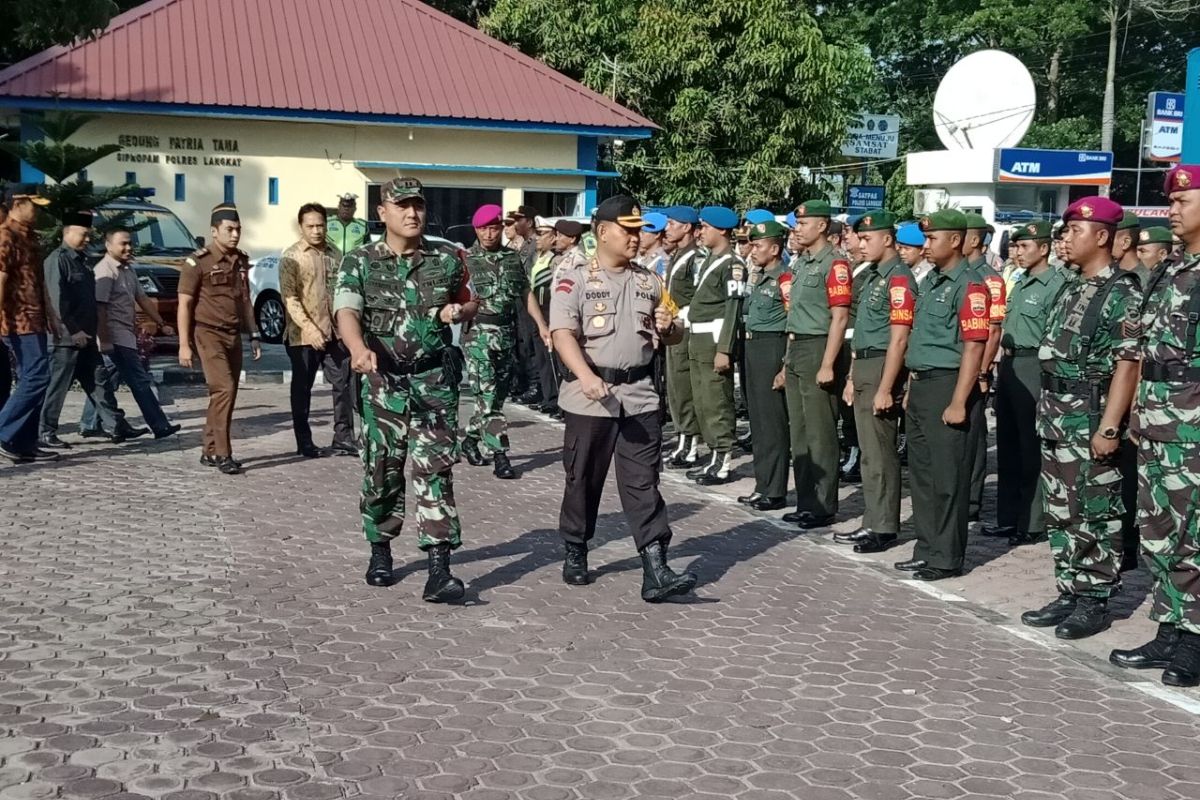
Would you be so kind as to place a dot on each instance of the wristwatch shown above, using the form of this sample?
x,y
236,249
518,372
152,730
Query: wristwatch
x,y
1111,432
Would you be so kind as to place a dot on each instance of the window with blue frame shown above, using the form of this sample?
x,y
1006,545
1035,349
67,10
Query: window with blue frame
x,y
180,187
273,191
229,189
131,177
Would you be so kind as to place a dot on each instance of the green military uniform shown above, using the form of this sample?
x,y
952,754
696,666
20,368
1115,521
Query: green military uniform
x,y
765,324
887,297
951,310
1019,502
681,285
410,398
501,284
347,236
820,282
713,316
983,273
1083,496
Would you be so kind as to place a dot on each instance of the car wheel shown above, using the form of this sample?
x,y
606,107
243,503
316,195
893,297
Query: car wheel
x,y
271,318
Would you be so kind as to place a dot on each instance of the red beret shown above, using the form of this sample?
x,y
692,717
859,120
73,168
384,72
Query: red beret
x,y
1095,209
1182,177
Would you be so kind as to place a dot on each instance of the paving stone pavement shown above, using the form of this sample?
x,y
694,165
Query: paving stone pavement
x,y
168,632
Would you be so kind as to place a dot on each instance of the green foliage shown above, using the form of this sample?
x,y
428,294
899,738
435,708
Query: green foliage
x,y
33,25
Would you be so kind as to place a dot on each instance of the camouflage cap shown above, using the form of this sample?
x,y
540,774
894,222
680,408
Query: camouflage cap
x,y
1036,231
1155,234
947,219
1129,222
767,230
399,189
877,220
814,208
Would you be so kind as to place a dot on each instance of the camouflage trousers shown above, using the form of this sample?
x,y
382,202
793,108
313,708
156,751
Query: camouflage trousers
x,y
418,413
489,351
1169,516
1083,517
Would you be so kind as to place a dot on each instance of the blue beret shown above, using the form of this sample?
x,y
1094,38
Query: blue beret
x,y
790,220
758,215
719,217
685,214
910,234
654,222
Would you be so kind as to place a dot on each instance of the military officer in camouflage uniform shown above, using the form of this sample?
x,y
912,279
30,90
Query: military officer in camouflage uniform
x,y
815,367
951,322
714,315
882,328
1167,423
1154,247
1019,502
395,301
502,288
1089,361
681,285
1124,248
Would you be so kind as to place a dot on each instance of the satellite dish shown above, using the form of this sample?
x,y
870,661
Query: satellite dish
x,y
986,101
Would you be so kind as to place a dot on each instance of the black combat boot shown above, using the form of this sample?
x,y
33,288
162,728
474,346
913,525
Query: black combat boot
x,y
702,467
719,472
575,566
1089,618
658,580
1052,613
688,456
470,449
1185,666
1154,654
379,571
442,587
503,468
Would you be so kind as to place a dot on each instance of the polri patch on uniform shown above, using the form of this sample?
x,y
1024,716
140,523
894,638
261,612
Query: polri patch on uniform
x,y
643,281
600,308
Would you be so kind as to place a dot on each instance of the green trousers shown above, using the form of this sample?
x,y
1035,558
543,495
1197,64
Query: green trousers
x,y
768,412
712,394
812,418
877,439
1019,501
978,457
679,388
1169,514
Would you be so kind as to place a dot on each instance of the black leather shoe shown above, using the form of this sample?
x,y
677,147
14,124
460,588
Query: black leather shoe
x,y
52,442
714,478
379,571
127,432
1024,538
852,538
168,431
1089,618
1185,666
750,499
441,586
929,574
912,565
470,450
852,477
557,414
769,503
15,456
700,468
1052,613
39,454
973,516
796,516
658,580
309,451
816,521
1154,654
575,566
876,543
746,443
999,531
503,468
94,433
228,466
344,449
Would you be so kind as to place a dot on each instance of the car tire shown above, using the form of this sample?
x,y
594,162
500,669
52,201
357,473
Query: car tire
x,y
271,317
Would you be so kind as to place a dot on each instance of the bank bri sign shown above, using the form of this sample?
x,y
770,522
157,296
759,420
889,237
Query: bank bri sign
x,y
1073,167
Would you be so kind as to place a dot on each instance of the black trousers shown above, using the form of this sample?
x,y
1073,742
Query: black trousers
x,y
526,376
83,364
1019,502
335,361
588,448
768,414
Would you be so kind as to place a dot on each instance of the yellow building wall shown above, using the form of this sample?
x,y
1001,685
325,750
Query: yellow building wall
x,y
312,162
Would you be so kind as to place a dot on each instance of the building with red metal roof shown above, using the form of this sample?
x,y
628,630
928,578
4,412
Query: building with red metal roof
x,y
273,103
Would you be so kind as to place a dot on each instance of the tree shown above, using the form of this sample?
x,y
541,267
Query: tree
x,y
34,25
746,94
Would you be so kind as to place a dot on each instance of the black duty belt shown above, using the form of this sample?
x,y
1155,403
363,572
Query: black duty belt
x,y
1158,372
929,374
614,376
870,352
1081,386
1020,352
495,319
396,367
800,337
765,334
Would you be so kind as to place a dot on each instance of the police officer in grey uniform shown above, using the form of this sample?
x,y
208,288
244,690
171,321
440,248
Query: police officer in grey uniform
x,y
608,318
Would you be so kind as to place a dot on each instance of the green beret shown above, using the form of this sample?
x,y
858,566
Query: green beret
x,y
948,219
1032,232
877,220
1155,234
1129,222
767,230
976,222
814,208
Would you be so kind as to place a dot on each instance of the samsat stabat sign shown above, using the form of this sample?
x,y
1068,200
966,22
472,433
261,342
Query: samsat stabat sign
x,y
873,136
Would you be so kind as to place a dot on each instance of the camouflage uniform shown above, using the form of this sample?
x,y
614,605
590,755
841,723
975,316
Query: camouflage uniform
x,y
1167,421
1083,496
501,283
411,397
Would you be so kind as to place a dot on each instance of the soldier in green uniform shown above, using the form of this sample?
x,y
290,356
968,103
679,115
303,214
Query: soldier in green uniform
x,y
713,316
1124,247
1089,361
1167,423
344,230
1154,247
882,328
681,285
502,287
950,327
1019,502
815,366
765,324
395,301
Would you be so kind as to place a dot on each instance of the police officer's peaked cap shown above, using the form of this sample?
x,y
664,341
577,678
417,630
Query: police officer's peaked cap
x,y
569,227
621,209
24,191
1037,231
685,214
877,220
719,217
947,219
767,230
1155,234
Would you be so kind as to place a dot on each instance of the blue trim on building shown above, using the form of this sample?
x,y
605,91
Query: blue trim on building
x,y
30,132
230,189
421,167
180,187
272,191
290,115
587,159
